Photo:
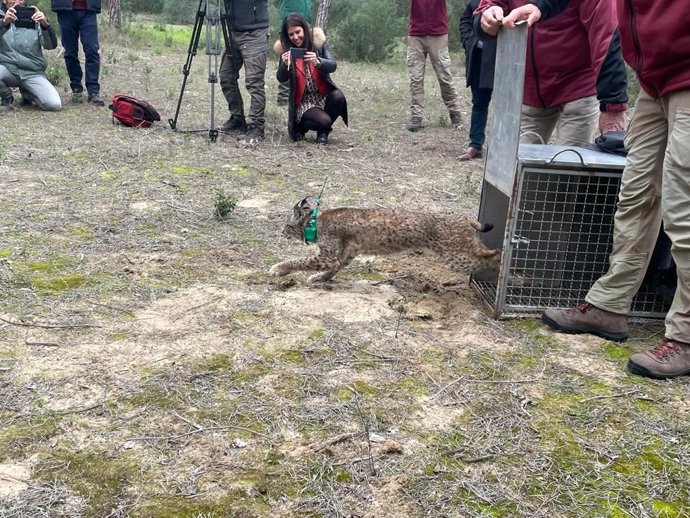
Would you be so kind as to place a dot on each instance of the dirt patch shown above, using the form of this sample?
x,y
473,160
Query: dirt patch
x,y
14,478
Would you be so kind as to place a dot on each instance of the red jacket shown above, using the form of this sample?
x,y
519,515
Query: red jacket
x,y
656,43
565,53
428,17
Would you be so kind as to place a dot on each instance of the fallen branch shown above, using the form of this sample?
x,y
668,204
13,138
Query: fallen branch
x,y
42,344
337,439
620,394
49,326
193,432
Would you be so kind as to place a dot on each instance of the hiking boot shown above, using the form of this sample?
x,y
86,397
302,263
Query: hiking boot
x,y
7,104
456,121
77,97
586,318
96,100
234,123
254,133
669,359
27,98
471,154
414,124
322,138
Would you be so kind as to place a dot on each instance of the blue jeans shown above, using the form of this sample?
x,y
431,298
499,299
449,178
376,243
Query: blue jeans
x,y
481,97
76,25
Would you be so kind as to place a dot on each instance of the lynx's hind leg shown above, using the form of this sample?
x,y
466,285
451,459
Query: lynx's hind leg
x,y
465,262
325,261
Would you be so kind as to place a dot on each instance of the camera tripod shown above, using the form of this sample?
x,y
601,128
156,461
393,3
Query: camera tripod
x,y
215,22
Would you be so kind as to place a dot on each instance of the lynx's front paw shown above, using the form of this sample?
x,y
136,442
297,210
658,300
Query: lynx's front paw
x,y
278,270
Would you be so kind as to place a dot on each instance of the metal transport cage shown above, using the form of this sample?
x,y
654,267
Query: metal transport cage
x,y
551,206
556,232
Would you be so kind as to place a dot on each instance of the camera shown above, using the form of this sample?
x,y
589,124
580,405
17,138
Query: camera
x,y
24,15
297,52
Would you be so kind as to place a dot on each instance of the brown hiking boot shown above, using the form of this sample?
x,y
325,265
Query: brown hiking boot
x,y
586,318
669,359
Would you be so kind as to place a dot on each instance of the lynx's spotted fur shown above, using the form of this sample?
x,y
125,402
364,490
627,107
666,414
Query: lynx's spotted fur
x,y
345,233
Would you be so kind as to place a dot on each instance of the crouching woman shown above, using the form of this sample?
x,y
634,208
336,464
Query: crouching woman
x,y
306,61
22,63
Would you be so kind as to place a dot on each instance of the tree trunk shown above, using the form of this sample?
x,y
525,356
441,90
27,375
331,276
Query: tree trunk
x,y
322,15
114,13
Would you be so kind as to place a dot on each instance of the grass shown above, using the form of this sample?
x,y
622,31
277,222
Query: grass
x,y
150,367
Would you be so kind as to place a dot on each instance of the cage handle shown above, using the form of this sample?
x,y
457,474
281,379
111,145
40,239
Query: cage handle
x,y
582,161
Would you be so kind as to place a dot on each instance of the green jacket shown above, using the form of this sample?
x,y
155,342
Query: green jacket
x,y
286,7
21,50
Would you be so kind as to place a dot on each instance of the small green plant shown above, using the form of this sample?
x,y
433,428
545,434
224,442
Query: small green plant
x,y
55,74
147,69
224,205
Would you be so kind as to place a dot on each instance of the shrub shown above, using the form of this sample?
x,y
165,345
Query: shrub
x,y
224,205
143,6
182,11
370,32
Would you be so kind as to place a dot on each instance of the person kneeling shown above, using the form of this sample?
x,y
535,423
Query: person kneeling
x,y
306,61
23,33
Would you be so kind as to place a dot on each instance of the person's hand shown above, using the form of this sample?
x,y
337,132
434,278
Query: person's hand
x,y
612,121
10,17
39,17
311,57
529,12
491,20
285,58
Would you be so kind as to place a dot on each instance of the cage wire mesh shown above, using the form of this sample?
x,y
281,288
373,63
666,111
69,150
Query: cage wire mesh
x,y
561,240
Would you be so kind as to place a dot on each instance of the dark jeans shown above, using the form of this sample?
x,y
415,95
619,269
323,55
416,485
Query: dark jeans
x,y
481,97
76,25
321,120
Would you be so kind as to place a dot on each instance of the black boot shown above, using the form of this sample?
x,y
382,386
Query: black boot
x,y
322,138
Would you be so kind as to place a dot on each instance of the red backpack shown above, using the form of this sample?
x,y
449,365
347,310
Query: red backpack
x,y
131,111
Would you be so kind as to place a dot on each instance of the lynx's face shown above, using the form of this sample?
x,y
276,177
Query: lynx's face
x,y
298,220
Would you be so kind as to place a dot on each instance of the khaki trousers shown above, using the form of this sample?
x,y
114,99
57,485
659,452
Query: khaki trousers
x,y
437,48
575,123
655,187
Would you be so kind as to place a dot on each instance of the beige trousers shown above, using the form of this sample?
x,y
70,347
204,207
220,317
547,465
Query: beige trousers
x,y
655,187
437,48
575,123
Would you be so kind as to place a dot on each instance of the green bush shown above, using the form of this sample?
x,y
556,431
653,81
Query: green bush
x,y
370,32
183,11
143,6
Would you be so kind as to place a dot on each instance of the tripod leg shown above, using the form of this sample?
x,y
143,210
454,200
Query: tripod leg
x,y
191,52
213,51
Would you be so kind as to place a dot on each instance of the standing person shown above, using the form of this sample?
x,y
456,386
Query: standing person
x,y
314,101
575,78
79,21
22,63
248,35
480,60
286,7
655,187
428,35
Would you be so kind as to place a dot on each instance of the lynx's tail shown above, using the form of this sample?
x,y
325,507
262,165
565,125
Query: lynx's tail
x,y
481,227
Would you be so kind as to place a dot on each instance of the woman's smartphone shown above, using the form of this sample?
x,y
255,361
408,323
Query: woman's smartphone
x,y
24,15
297,52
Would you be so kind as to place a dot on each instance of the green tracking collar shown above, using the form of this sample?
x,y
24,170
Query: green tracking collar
x,y
309,232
